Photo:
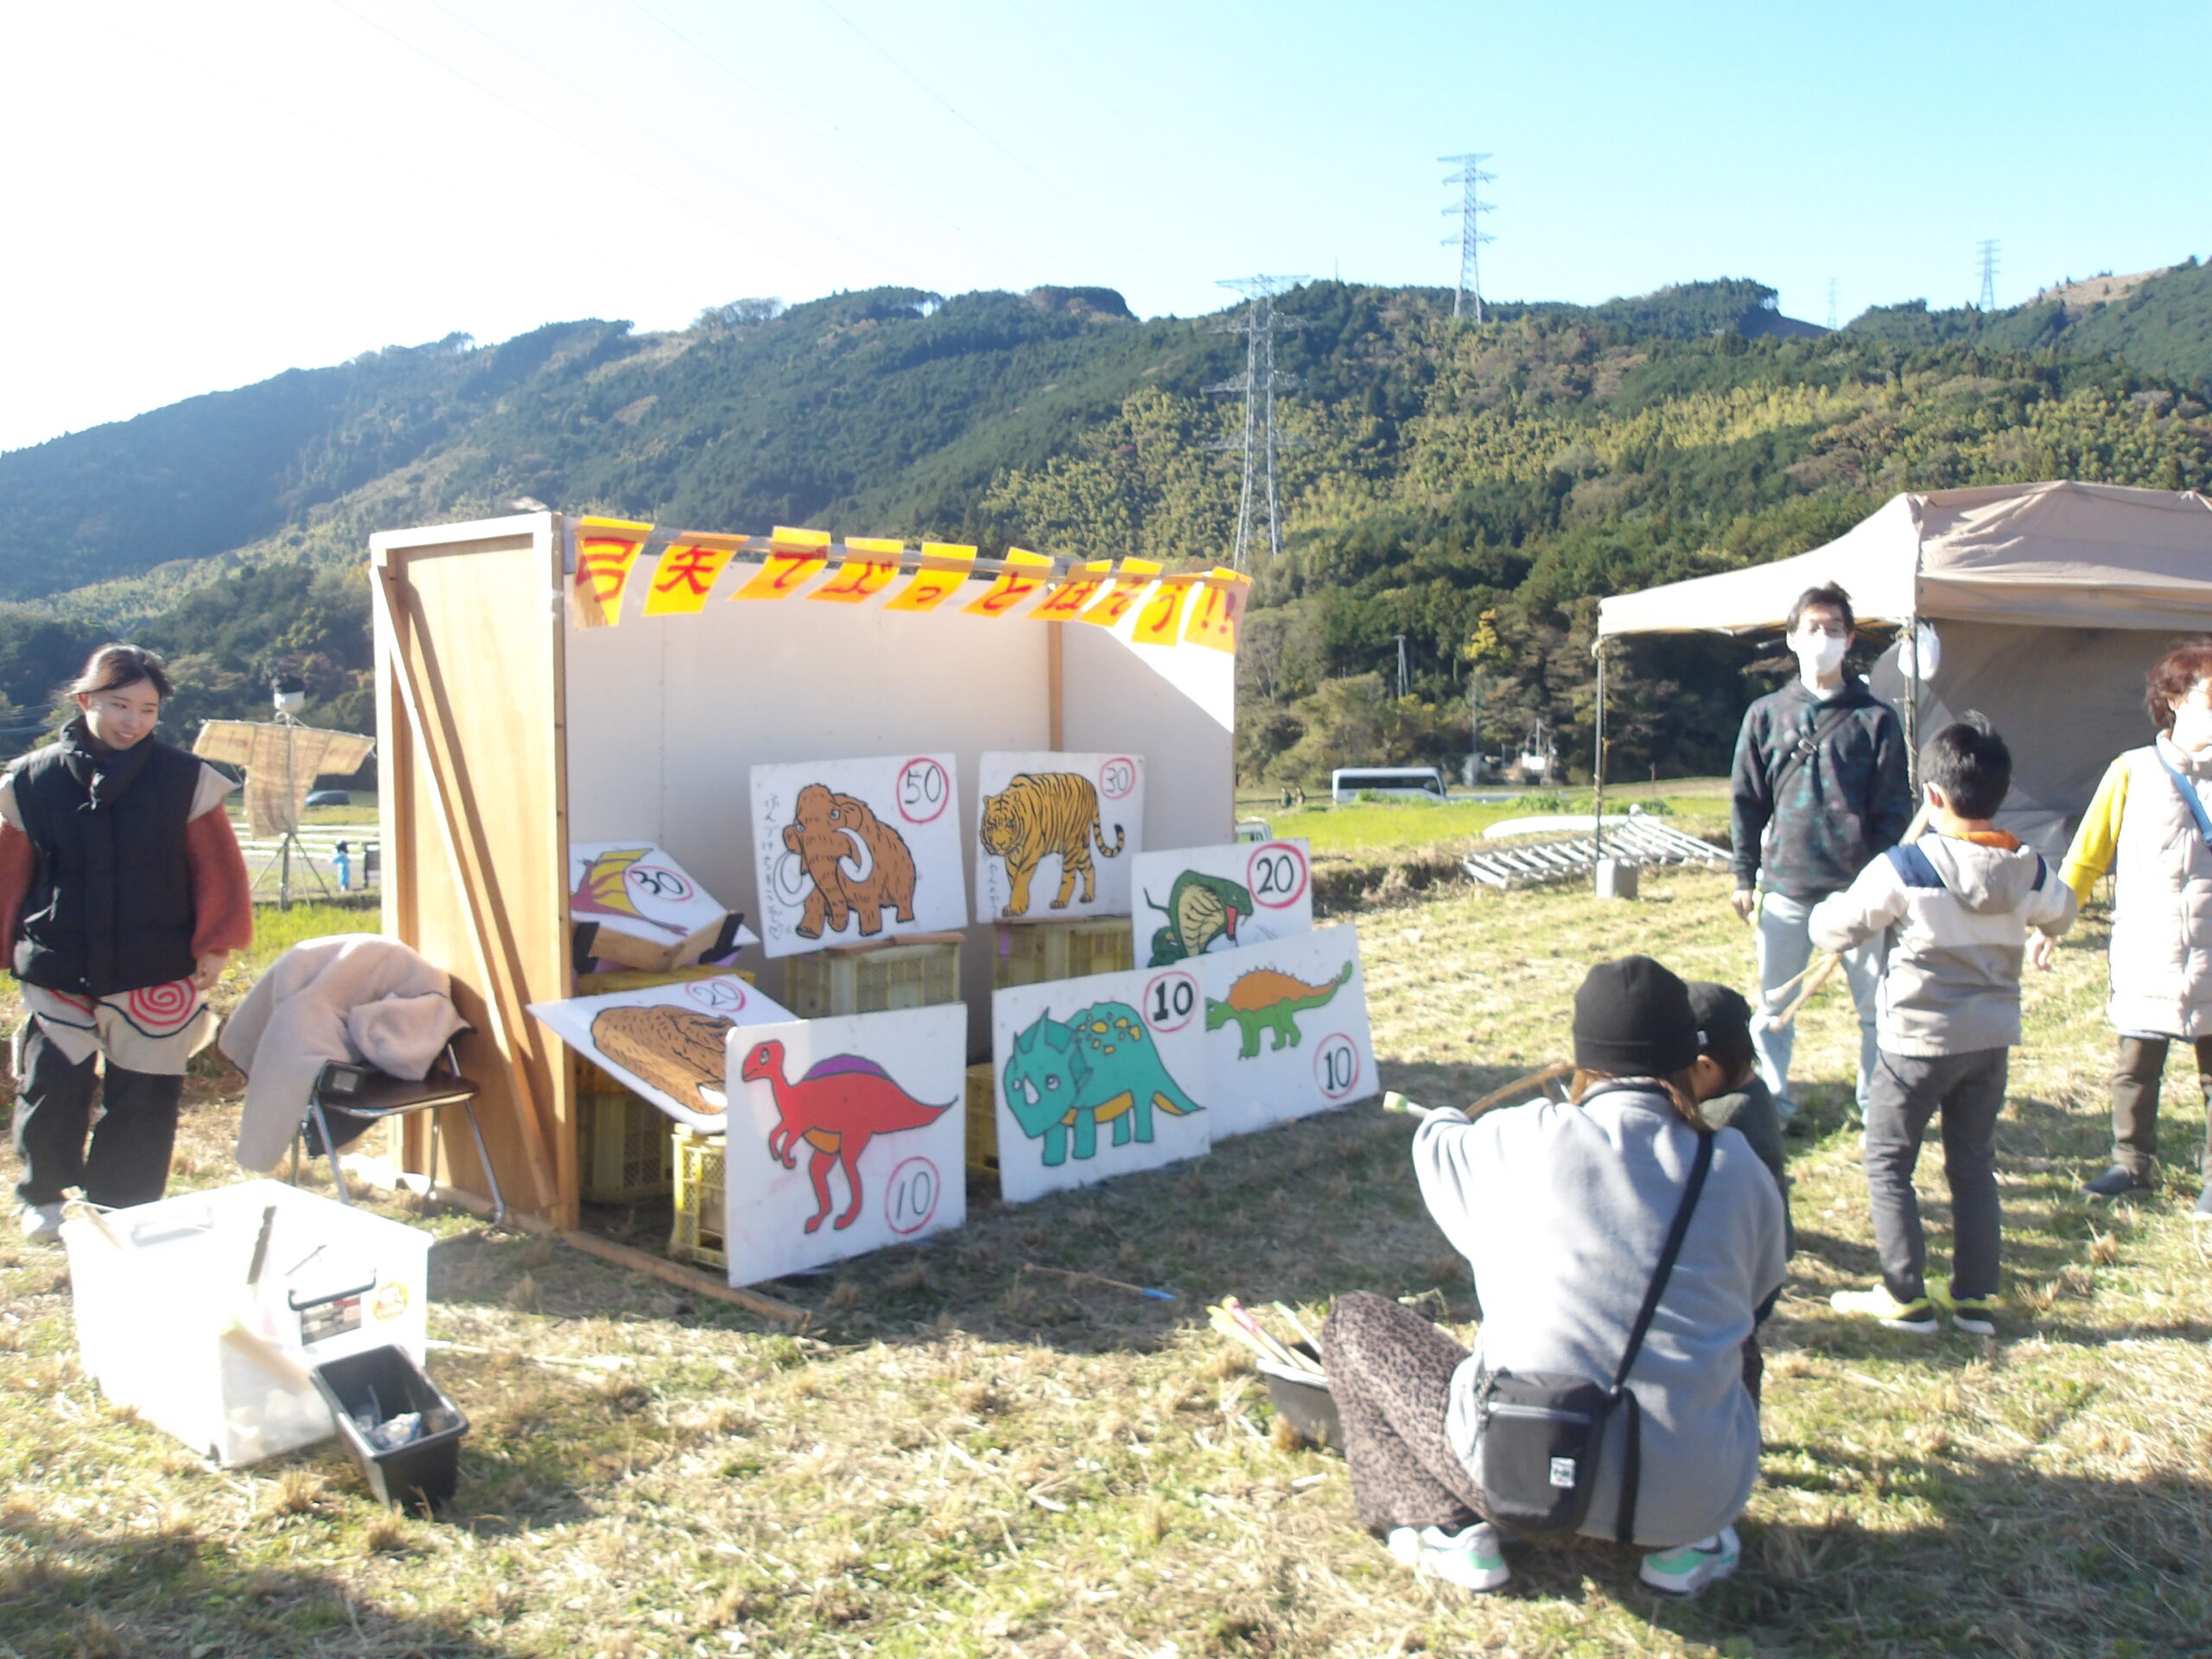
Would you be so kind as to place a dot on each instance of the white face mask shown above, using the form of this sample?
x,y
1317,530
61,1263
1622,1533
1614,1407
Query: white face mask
x,y
1818,654
2192,733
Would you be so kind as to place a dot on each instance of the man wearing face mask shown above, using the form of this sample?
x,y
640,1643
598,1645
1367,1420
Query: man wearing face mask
x,y
2151,819
1820,789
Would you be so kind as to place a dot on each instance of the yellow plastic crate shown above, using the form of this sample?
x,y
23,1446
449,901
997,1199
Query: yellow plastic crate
x,y
639,979
621,1140
1030,953
983,1122
701,1213
873,979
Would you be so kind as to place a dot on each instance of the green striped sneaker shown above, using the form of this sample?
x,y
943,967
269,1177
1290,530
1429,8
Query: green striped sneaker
x,y
1917,1316
1687,1570
1976,1315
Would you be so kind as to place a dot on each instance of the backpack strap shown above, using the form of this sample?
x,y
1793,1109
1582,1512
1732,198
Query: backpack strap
x,y
2190,798
1624,1524
1914,868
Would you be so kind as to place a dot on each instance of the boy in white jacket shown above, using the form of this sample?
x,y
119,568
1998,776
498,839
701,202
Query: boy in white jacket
x,y
1959,902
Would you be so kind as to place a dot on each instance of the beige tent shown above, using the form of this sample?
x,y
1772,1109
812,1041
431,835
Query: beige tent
x,y
2048,601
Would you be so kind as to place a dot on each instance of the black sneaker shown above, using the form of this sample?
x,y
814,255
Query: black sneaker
x,y
2118,1182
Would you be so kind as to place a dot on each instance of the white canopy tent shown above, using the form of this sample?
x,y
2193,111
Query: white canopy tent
x,y
2052,599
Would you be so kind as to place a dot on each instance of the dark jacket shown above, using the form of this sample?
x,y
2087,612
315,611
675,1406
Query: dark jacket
x,y
109,907
1848,802
1750,1112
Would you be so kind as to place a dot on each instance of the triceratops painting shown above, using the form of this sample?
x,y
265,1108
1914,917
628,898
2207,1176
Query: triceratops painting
x,y
877,1103
852,850
1095,1077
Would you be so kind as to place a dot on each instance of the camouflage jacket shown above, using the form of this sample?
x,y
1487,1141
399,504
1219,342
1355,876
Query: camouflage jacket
x,y
1848,802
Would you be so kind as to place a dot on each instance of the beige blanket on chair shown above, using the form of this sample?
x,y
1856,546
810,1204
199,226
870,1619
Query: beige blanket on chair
x,y
351,997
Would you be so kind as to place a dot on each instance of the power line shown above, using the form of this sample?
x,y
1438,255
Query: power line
x,y
1988,300
805,115
1068,202
1258,385
536,119
1471,178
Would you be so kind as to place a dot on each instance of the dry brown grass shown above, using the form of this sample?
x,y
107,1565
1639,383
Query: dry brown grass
x,y
961,1456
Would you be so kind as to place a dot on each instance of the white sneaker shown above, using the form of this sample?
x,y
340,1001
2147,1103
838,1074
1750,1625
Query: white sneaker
x,y
43,1224
1687,1569
1472,1559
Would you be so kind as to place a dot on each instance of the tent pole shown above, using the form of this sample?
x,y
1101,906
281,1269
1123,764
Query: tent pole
x,y
1912,706
1598,767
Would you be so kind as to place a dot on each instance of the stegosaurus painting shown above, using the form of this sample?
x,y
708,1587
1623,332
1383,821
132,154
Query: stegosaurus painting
x,y
1065,1078
1265,1001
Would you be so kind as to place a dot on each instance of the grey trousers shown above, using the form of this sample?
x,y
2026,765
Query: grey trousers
x,y
2135,1102
1908,1091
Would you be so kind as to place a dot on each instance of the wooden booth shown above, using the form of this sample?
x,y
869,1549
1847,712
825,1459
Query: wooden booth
x,y
521,704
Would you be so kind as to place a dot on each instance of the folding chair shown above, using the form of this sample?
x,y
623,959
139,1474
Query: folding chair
x,y
360,1096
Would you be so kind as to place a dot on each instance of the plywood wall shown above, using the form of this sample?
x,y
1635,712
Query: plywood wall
x,y
475,609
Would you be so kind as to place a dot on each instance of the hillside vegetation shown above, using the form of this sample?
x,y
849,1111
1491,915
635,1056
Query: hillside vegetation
x,y
1474,488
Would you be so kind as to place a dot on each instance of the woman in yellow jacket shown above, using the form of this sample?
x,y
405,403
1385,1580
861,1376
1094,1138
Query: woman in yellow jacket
x,y
2151,822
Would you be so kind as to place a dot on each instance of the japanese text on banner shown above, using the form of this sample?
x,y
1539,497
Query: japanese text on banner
x,y
1133,577
1216,606
1065,602
795,557
685,574
1024,575
930,589
1162,611
606,549
869,564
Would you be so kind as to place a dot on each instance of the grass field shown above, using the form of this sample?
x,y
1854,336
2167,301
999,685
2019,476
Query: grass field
x,y
962,1456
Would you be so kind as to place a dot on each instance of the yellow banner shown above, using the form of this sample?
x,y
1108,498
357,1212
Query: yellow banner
x,y
685,575
868,565
606,549
1133,577
1156,622
1065,602
795,557
930,589
1216,608
1022,577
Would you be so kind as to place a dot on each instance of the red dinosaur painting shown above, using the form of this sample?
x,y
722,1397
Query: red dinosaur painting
x,y
837,1108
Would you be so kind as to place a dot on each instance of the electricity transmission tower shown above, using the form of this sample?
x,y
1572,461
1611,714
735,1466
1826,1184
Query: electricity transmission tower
x,y
1988,300
1258,322
1470,177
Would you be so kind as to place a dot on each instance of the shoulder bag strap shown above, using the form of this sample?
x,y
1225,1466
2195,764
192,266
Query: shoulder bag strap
x,y
1624,1525
1807,746
2190,798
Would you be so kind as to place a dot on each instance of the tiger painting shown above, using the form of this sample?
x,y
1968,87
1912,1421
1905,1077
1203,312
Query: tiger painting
x,y
1037,815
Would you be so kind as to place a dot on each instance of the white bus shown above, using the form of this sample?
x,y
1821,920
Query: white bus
x,y
1348,784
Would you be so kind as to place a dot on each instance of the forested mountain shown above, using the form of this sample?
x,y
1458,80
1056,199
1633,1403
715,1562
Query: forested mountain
x,y
1473,487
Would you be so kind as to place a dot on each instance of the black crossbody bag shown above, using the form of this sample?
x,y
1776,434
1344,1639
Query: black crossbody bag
x,y
1541,1430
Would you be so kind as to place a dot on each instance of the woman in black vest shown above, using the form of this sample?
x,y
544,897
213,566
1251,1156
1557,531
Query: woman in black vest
x,y
122,895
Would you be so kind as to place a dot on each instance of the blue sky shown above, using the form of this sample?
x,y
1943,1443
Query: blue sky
x,y
199,197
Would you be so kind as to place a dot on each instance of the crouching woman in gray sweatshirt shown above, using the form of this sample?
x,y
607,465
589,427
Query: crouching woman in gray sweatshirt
x,y
1563,1211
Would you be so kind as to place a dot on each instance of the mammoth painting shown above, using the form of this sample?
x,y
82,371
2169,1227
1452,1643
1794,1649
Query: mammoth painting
x,y
854,863
853,851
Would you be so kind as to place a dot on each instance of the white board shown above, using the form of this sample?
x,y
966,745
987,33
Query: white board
x,y
1126,1048
1055,835
845,1135
664,1041
1198,900
635,887
857,850
1286,1032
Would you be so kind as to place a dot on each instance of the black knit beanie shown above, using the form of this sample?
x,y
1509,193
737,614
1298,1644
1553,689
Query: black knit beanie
x,y
1632,1018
